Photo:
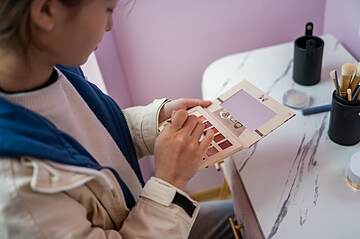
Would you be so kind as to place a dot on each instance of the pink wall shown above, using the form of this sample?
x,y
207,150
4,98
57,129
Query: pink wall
x,y
342,19
166,45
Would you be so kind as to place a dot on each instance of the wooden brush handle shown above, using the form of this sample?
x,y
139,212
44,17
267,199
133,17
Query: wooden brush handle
x,y
354,83
344,84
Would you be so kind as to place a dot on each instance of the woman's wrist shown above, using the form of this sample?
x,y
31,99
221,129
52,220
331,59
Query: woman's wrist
x,y
164,114
180,184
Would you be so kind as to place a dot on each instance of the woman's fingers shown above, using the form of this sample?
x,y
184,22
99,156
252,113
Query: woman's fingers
x,y
205,142
198,131
178,119
190,124
195,102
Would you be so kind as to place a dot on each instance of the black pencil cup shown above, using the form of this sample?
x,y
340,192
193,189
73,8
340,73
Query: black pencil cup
x,y
308,53
344,126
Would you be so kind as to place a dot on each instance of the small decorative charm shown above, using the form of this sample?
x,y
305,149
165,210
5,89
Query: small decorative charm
x,y
225,115
263,98
237,125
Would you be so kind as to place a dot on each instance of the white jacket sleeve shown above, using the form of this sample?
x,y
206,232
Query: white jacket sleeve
x,y
143,125
79,213
157,215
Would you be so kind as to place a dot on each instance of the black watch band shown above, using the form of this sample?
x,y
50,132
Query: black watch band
x,y
184,203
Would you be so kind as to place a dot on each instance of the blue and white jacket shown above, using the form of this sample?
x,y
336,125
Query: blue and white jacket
x,y
45,172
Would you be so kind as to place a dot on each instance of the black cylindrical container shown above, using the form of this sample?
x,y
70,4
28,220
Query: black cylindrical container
x,y
344,126
308,53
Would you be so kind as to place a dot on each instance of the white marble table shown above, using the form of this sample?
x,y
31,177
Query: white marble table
x,y
295,177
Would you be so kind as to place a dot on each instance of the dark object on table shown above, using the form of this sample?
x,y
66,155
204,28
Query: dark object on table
x,y
308,53
344,126
316,109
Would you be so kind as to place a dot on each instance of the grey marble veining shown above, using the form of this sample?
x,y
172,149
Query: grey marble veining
x,y
237,69
294,177
305,156
251,151
282,76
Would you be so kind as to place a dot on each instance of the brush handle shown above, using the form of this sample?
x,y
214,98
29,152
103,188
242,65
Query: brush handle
x,y
334,77
349,94
316,109
344,84
355,83
356,94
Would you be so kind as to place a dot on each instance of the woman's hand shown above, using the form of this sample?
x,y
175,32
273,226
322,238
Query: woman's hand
x,y
178,150
180,104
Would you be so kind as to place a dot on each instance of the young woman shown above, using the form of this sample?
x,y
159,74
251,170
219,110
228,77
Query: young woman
x,y
68,154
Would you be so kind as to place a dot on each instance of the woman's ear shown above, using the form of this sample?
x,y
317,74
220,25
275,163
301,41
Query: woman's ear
x,y
42,14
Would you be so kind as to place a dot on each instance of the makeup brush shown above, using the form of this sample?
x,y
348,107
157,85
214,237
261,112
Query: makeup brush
x,y
352,77
348,91
333,75
356,80
356,94
347,70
